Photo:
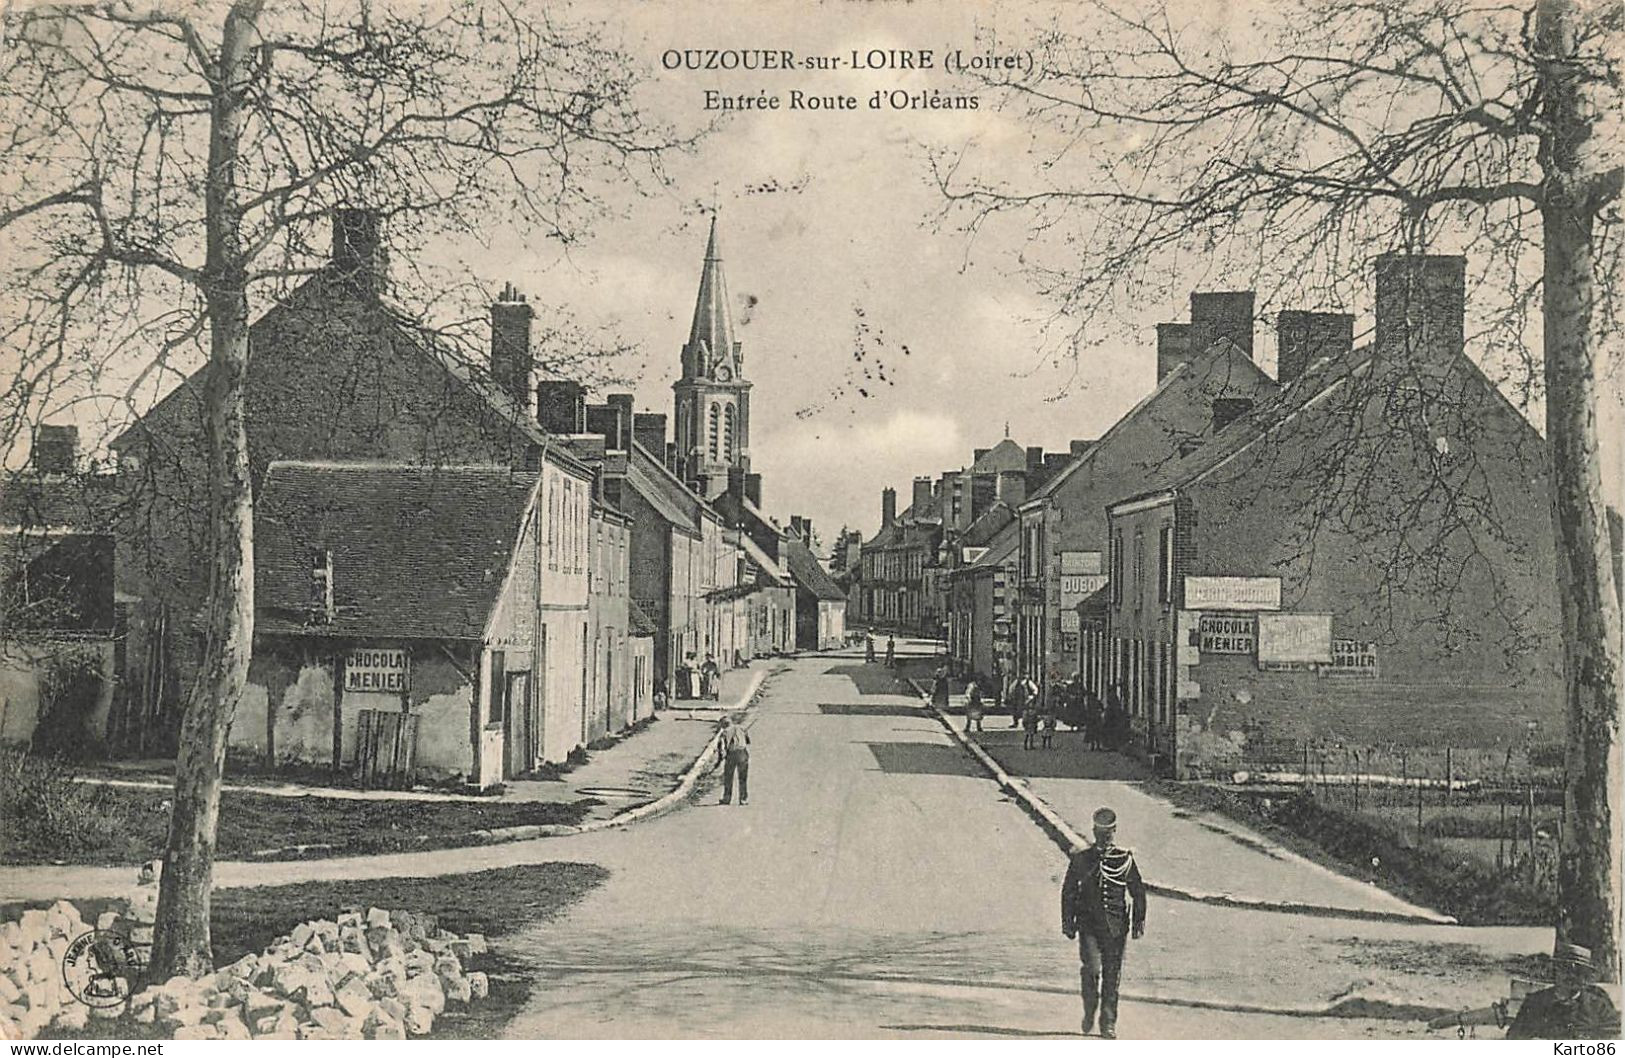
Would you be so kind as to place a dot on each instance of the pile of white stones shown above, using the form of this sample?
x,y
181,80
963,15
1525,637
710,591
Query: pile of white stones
x,y
376,974
382,975
33,993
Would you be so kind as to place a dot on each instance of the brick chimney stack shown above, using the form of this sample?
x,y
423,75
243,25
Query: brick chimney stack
x,y
511,316
358,249
56,449
1302,337
1173,347
888,506
1421,305
1222,314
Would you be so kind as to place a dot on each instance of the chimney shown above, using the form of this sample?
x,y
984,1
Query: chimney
x,y
1227,410
622,441
1012,487
922,497
753,489
649,430
56,449
1303,337
510,345
1222,314
984,492
1420,305
736,481
358,251
888,506
1080,447
1173,347
806,531
1035,457
977,454
561,407
603,420
321,609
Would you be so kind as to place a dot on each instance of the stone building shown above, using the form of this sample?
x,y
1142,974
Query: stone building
x,y
1367,556
1206,378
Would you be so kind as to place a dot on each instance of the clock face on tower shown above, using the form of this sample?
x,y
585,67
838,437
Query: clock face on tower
x,y
724,374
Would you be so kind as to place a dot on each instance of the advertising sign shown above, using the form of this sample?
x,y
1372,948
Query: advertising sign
x,y
1083,563
1228,635
1354,658
1232,593
375,670
1297,638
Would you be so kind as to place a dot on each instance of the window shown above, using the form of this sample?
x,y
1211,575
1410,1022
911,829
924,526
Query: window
x,y
498,686
1139,567
713,432
1165,564
1117,566
554,541
728,433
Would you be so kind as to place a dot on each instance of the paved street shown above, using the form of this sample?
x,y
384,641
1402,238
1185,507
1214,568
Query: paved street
x,y
879,884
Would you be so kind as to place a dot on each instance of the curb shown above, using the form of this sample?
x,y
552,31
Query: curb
x,y
1069,841
702,765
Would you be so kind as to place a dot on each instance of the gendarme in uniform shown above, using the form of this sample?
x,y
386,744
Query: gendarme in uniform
x,y
1102,905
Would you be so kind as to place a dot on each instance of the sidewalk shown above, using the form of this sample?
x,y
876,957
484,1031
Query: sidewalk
x,y
646,765
1204,855
636,769
653,772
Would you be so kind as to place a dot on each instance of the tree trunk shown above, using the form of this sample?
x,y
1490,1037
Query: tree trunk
x,y
1589,877
181,943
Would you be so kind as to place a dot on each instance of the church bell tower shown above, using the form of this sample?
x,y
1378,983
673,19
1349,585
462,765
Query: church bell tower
x,y
712,397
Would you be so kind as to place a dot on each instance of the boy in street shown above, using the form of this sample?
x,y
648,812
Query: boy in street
x,y
1102,906
734,745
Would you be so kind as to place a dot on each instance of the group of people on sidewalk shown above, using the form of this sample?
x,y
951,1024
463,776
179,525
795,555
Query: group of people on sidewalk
x,y
703,680
1104,724
869,649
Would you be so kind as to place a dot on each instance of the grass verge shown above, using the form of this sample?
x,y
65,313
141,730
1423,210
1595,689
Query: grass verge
x,y
1367,848
53,819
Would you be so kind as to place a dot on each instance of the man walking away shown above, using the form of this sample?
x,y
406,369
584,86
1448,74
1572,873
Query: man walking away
x,y
891,651
1102,905
734,744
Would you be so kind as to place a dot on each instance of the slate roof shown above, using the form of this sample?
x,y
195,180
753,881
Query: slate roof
x,y
674,501
418,552
1006,455
999,550
85,502
808,574
762,560
639,621
1223,349
987,525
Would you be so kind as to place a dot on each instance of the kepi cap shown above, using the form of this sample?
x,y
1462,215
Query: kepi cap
x,y
1105,819
1571,955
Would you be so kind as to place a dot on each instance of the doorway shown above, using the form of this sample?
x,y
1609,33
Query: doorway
x,y
521,729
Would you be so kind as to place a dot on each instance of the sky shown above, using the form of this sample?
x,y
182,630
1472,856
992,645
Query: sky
x,y
883,342
953,353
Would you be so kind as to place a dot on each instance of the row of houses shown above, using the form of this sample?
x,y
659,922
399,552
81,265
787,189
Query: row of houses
x,y
462,569
1357,550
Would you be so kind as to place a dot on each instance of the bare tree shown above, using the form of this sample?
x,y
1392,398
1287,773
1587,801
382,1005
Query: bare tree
x,y
1328,132
167,169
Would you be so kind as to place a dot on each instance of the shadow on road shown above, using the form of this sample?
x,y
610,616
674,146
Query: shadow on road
x,y
979,1030
1068,758
873,679
922,758
854,709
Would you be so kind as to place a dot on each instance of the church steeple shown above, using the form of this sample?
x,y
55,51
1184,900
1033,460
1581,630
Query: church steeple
x,y
712,398
711,341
